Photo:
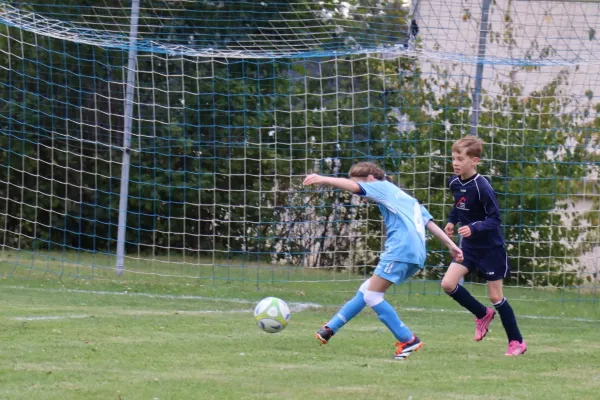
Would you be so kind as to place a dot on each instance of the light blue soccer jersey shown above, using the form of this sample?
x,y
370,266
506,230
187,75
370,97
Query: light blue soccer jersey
x,y
405,221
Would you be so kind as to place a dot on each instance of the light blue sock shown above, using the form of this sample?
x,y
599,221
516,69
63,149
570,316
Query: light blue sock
x,y
347,312
390,318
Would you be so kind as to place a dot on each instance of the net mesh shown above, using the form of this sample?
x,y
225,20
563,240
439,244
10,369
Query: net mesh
x,y
235,102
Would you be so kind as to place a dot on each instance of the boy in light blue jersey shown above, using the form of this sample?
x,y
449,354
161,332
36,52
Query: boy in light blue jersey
x,y
404,255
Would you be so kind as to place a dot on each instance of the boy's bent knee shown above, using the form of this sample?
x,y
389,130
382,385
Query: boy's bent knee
x,y
448,286
495,292
373,298
364,287
495,299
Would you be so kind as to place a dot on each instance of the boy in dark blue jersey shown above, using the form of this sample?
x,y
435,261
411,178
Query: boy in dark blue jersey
x,y
476,210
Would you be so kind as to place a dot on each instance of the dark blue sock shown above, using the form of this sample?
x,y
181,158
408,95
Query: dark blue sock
x,y
465,299
507,315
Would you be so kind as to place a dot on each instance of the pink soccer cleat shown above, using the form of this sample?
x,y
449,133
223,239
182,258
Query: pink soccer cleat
x,y
516,349
482,325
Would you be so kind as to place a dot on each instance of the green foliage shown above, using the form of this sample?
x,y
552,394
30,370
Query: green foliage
x,y
220,148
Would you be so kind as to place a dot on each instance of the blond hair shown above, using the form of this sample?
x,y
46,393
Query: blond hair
x,y
471,143
366,168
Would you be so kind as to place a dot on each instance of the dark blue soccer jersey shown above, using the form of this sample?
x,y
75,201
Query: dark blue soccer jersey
x,y
475,205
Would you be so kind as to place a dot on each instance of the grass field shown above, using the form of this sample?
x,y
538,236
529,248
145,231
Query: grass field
x,y
172,339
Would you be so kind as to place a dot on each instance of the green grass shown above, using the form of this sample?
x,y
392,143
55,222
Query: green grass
x,y
154,269
161,337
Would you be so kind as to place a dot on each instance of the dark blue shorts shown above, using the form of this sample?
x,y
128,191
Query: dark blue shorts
x,y
491,264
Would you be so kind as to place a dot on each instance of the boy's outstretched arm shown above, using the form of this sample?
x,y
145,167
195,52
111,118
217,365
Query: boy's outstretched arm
x,y
340,183
455,252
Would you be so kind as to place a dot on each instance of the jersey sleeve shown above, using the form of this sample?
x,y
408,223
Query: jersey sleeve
x,y
361,191
487,196
372,191
452,217
426,215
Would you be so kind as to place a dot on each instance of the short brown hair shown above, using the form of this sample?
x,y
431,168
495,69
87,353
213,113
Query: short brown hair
x,y
471,143
366,168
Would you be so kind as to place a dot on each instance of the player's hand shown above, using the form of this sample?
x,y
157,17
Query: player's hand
x,y
456,253
464,231
313,179
449,229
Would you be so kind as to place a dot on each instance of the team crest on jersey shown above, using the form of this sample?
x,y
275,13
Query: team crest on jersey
x,y
462,204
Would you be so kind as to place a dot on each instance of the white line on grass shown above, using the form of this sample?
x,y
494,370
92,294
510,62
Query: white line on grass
x,y
132,313
48,317
141,313
295,306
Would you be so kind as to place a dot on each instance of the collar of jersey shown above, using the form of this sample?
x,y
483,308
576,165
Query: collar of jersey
x,y
469,180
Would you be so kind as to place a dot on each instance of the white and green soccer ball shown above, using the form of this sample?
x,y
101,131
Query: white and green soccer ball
x,y
272,314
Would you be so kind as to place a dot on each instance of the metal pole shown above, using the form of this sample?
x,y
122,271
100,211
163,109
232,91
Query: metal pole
x,y
483,30
128,122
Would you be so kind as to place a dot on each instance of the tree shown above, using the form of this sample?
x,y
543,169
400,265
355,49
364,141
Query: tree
x,y
220,147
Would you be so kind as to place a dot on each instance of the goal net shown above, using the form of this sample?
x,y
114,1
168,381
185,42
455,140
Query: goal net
x,y
170,138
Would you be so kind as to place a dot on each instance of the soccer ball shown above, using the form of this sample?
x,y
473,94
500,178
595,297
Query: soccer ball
x,y
272,314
